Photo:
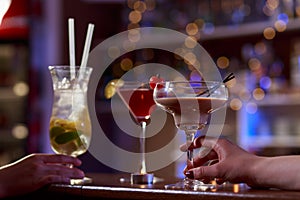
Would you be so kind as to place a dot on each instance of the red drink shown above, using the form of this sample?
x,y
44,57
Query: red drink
x,y
139,102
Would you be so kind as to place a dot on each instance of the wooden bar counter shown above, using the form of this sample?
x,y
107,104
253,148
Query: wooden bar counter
x,y
109,186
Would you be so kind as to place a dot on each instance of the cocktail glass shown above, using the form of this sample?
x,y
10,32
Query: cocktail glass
x,y
70,125
138,97
190,103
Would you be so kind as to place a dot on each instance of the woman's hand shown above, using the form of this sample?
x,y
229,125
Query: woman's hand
x,y
236,165
233,163
35,171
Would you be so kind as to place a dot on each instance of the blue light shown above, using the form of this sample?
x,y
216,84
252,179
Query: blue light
x,y
195,76
237,16
265,82
283,17
209,28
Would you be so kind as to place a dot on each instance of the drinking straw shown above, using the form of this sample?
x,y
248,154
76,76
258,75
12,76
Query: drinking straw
x,y
86,48
72,47
225,80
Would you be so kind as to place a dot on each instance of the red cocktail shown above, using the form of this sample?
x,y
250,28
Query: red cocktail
x,y
139,101
138,97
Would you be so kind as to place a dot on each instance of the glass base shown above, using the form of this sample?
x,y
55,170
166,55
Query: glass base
x,y
132,177
190,184
142,178
83,181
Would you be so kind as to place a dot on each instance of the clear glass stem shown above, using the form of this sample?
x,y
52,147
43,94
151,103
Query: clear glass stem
x,y
143,148
190,136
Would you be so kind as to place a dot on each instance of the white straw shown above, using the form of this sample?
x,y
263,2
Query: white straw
x,y
86,49
72,47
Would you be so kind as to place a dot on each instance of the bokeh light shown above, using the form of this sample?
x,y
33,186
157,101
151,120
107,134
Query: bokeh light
x,y
135,16
134,35
195,76
209,28
245,94
260,48
21,89
128,45
283,17
191,29
265,82
269,33
267,11
190,42
130,3
280,25
231,83
254,64
251,108
223,62
178,52
200,23
113,52
190,58
235,104
272,4
258,94
20,131
126,64
139,6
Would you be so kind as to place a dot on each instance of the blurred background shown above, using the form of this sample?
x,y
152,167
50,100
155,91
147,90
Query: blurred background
x,y
258,40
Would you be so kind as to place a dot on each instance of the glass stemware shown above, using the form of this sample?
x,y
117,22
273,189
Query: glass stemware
x,y
138,97
70,125
190,103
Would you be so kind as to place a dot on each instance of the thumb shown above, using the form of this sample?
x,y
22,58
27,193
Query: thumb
x,y
183,147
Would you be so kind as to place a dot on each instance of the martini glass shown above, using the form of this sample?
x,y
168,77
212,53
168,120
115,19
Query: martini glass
x,y
138,97
190,103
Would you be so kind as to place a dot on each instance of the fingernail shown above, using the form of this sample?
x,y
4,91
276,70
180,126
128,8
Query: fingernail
x,y
190,174
81,173
183,148
78,162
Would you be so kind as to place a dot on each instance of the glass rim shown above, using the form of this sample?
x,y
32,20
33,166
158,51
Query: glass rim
x,y
66,67
132,84
191,82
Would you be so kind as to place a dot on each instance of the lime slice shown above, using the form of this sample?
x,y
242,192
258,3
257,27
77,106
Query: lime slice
x,y
110,88
56,131
66,137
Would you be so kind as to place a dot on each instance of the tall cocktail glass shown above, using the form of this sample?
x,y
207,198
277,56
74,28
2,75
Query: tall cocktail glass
x,y
190,103
70,125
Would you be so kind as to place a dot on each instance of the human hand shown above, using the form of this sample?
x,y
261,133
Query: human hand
x,y
231,165
35,171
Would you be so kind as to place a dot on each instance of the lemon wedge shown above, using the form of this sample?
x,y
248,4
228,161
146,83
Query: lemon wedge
x,y
110,88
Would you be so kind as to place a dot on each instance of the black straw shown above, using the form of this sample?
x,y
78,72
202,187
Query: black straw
x,y
229,77
226,79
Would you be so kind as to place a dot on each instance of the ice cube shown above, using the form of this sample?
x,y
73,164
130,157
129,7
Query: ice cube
x,y
65,83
